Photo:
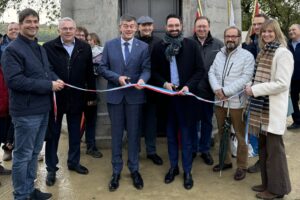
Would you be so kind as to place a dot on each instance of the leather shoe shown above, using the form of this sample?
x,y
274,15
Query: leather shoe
x,y
137,180
240,174
4,171
114,182
268,195
188,181
225,166
293,126
156,159
258,188
51,178
79,169
254,168
170,176
207,158
38,195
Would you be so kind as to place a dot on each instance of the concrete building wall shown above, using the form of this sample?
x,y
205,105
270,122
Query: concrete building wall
x,y
101,16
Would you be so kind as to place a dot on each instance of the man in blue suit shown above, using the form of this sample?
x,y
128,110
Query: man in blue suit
x,y
125,59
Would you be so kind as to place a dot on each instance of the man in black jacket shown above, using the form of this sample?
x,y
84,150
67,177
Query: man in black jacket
x,y
71,59
30,82
294,47
145,33
210,46
176,65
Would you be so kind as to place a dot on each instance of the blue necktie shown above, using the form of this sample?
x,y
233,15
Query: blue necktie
x,y
126,51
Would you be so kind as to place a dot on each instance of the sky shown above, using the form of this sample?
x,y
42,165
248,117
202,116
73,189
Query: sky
x,y
10,15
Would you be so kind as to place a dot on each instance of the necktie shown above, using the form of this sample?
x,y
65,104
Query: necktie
x,y
126,51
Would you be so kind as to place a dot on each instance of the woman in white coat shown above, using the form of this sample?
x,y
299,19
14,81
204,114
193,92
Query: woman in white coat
x,y
268,107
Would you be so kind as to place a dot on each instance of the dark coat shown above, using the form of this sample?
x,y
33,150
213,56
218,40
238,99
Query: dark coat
x,y
209,50
76,70
296,55
190,70
28,78
252,47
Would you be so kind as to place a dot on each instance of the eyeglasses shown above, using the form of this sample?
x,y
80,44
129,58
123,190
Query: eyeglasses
x,y
232,36
65,29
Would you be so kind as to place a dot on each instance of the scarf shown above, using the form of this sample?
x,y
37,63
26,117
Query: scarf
x,y
258,107
174,45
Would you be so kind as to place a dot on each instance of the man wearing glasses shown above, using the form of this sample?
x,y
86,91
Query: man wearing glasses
x,y
231,70
71,59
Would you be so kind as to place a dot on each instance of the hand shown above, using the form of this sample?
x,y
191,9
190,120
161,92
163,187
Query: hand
x,y
57,85
220,94
184,90
169,86
140,82
122,80
248,90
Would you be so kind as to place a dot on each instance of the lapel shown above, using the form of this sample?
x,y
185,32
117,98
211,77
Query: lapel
x,y
119,53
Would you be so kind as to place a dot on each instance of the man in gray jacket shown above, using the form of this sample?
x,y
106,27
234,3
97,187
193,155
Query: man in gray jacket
x,y
209,46
231,70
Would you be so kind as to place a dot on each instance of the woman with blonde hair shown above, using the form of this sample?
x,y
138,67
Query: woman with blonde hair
x,y
267,109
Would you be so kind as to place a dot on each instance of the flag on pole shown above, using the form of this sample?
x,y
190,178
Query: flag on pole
x,y
199,12
256,10
231,21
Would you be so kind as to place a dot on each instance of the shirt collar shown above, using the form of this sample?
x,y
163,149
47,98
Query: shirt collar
x,y
72,44
28,40
129,41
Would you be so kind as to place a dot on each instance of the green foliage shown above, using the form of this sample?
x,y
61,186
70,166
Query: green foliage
x,y
285,11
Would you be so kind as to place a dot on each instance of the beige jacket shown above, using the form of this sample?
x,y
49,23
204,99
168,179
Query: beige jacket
x,y
278,90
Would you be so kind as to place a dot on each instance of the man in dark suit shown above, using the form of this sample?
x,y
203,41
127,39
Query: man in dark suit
x,y
71,59
125,59
176,65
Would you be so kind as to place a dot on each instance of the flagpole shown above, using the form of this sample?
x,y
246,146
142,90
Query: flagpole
x,y
200,8
229,14
254,9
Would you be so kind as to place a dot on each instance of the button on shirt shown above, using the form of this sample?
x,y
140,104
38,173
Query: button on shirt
x,y
123,46
68,47
174,71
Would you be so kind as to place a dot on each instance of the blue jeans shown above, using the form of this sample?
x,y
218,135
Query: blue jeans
x,y
29,137
202,143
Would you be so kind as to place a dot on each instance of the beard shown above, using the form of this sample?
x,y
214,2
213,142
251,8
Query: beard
x,y
231,46
172,33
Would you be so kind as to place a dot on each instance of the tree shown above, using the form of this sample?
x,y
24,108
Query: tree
x,y
50,7
285,11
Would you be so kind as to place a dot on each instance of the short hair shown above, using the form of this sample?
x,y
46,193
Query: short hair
x,y
262,15
173,16
83,29
12,23
274,25
69,19
96,38
233,27
27,12
202,17
127,18
298,25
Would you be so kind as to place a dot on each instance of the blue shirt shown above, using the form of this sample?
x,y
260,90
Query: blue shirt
x,y
68,47
123,46
294,44
174,71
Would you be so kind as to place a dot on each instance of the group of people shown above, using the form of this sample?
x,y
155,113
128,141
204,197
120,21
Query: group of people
x,y
201,64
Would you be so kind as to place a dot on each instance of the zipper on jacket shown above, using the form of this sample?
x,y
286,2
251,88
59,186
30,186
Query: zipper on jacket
x,y
229,69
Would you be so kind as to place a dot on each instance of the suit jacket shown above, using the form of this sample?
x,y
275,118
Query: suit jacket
x,y
112,66
190,71
76,70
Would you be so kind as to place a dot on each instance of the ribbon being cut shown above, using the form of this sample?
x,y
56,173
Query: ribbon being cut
x,y
146,86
